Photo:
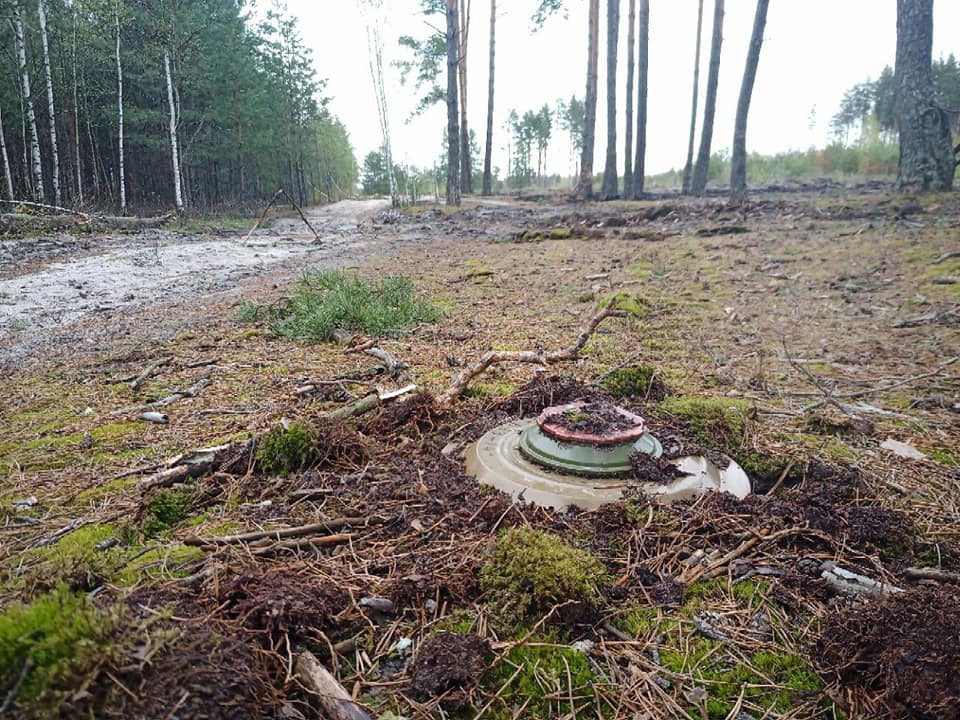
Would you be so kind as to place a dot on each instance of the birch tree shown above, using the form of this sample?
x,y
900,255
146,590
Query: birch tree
x,y
6,160
51,109
122,173
78,167
174,144
699,182
37,166
738,159
375,58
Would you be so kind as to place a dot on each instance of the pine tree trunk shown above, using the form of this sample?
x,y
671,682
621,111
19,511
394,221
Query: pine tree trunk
x,y
28,104
488,149
611,181
643,67
628,142
51,110
466,161
174,148
688,167
585,184
453,125
926,154
8,178
76,116
700,172
738,159
122,172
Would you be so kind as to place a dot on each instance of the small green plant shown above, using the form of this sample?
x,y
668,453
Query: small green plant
x,y
286,450
325,301
717,423
531,572
165,511
58,642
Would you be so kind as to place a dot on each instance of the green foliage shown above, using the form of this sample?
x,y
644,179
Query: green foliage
x,y
629,382
547,677
64,639
531,131
325,301
166,510
531,571
79,560
286,450
718,423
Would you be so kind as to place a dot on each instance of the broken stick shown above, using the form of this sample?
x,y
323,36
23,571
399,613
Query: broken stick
x,y
334,700
463,380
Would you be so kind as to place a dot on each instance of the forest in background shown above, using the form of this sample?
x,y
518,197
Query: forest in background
x,y
239,113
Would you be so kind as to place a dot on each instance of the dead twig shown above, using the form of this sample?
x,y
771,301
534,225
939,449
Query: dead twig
x,y
273,200
148,371
299,531
334,700
463,380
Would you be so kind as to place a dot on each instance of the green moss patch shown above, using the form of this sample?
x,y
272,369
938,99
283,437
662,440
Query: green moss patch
x,y
718,423
62,641
532,572
81,560
165,510
636,382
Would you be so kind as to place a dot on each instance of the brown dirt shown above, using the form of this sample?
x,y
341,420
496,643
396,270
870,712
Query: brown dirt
x,y
449,664
822,284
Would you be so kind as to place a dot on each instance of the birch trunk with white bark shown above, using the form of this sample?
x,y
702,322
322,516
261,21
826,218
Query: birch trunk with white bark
x,y
6,160
76,116
123,180
28,103
174,148
51,110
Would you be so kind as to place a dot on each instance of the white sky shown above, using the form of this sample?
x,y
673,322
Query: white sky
x,y
813,50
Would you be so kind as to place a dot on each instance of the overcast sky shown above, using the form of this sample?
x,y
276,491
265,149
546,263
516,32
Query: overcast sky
x,y
813,50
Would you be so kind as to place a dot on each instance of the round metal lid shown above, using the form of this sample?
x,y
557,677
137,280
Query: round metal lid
x,y
562,421
586,459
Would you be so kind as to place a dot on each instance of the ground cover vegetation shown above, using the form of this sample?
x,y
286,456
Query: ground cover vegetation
x,y
364,541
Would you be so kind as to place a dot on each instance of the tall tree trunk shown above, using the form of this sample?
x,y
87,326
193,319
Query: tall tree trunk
x,y
28,104
643,67
926,155
51,110
488,149
453,126
375,56
738,160
121,172
466,161
76,115
628,143
6,160
700,172
688,167
174,145
611,181
585,185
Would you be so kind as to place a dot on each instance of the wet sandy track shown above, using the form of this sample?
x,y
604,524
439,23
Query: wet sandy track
x,y
51,285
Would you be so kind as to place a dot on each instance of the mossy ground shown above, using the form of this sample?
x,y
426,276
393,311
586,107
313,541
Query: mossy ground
x,y
711,315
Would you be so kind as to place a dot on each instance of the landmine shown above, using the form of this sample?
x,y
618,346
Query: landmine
x,y
580,454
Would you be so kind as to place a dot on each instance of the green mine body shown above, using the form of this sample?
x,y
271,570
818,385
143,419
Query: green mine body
x,y
585,459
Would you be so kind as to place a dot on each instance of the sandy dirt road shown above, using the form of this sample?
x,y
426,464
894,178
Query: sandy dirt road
x,y
50,284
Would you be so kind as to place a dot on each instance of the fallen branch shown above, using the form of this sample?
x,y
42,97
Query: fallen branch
x,y
851,583
273,200
364,404
875,391
41,206
299,531
334,700
392,365
932,574
301,543
189,392
148,371
463,380
193,464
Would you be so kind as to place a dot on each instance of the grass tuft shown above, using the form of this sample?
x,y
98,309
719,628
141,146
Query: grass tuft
x,y
327,301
